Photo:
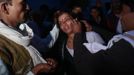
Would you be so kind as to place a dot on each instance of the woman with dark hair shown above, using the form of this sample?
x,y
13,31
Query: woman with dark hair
x,y
73,28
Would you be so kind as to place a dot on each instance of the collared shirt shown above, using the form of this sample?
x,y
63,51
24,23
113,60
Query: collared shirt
x,y
129,39
119,27
130,32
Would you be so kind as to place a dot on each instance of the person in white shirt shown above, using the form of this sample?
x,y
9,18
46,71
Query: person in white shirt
x,y
17,56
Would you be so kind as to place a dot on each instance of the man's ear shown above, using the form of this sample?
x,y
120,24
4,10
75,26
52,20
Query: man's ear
x,y
4,8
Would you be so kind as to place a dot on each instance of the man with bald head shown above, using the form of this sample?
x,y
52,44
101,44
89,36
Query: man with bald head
x,y
128,22
119,55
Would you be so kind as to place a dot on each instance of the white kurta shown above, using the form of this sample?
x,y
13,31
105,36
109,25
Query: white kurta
x,y
18,38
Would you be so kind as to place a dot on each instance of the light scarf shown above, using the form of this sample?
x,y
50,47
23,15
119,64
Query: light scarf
x,y
116,38
95,42
96,46
18,38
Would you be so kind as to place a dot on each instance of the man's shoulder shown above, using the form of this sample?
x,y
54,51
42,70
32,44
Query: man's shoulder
x,y
122,44
122,47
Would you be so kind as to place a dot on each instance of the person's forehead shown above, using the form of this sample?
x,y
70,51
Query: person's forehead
x,y
65,15
18,1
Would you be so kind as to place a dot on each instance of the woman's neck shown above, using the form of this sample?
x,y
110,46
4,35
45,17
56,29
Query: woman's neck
x,y
71,35
70,41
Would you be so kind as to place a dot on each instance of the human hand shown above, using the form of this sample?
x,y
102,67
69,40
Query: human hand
x,y
52,63
43,67
48,67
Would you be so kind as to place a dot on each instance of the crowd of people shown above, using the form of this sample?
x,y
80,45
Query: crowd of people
x,y
65,42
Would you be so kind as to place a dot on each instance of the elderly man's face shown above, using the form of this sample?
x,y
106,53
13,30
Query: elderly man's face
x,y
17,11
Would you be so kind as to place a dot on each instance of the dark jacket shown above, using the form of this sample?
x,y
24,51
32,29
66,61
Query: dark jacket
x,y
117,60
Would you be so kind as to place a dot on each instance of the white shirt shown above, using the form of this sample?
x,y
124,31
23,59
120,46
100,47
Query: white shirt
x,y
71,51
119,27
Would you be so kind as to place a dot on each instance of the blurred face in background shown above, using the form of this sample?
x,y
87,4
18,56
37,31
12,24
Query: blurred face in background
x,y
77,10
94,13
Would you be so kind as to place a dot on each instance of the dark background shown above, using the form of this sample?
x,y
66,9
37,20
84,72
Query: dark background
x,y
35,4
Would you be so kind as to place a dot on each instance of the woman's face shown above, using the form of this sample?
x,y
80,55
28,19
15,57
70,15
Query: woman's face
x,y
94,13
66,23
